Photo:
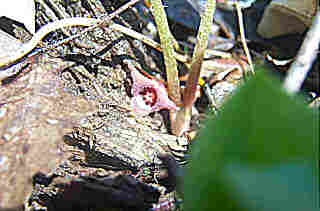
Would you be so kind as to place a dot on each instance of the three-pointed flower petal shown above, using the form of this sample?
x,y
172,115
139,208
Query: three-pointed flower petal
x,y
149,95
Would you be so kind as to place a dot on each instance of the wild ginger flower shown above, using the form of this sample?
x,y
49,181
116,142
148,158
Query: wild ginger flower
x,y
149,95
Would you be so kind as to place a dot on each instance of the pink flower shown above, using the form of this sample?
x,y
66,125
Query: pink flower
x,y
149,95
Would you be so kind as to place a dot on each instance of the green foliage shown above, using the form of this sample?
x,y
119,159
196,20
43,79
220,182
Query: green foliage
x,y
258,154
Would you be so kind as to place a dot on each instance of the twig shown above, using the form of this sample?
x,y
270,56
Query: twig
x,y
104,19
116,27
59,24
45,30
305,58
92,22
242,35
182,58
52,15
28,47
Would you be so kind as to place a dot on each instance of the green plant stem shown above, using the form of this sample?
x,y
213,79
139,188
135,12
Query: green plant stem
x,y
167,45
183,117
198,54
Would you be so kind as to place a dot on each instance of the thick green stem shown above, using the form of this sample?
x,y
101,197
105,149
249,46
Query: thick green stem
x,y
197,58
167,45
183,117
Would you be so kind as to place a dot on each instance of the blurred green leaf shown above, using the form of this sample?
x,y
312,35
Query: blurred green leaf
x,y
258,154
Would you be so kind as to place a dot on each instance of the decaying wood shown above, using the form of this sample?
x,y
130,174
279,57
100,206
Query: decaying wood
x,y
97,72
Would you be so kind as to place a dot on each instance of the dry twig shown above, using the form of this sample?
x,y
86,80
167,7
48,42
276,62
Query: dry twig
x,y
92,22
305,58
242,35
45,30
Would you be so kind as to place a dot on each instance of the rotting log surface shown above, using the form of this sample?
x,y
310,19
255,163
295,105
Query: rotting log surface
x,y
96,61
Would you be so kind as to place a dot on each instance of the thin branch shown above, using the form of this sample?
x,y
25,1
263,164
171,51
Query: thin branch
x,y
91,22
45,30
182,58
242,35
305,58
29,46
103,20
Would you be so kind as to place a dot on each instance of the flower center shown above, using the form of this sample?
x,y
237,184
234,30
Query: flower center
x,y
149,95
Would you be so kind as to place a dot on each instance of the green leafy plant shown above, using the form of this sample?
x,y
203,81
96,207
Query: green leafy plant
x,y
180,120
258,154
